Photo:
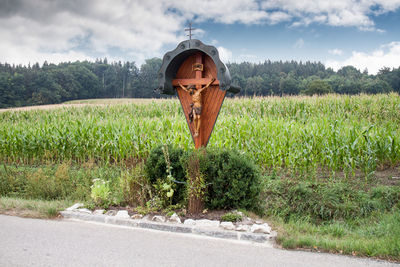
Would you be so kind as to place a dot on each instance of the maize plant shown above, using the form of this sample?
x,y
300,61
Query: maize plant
x,y
333,132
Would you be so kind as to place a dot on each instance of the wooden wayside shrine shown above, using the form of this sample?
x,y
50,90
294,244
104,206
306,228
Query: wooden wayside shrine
x,y
196,74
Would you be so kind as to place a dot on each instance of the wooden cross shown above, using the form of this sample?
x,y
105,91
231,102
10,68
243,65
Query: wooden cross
x,y
199,80
210,109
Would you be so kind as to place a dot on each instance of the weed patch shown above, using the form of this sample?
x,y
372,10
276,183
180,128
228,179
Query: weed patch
x,y
32,208
322,201
335,217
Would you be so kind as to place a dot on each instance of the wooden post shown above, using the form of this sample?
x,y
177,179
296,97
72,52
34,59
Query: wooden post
x,y
196,186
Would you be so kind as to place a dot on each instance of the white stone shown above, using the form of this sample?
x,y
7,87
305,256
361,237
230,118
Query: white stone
x,y
147,218
259,222
122,214
207,223
227,225
137,216
85,211
75,206
189,222
98,212
111,212
260,228
159,218
243,228
175,218
248,221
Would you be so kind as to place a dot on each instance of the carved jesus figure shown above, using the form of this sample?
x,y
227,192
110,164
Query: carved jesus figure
x,y
196,105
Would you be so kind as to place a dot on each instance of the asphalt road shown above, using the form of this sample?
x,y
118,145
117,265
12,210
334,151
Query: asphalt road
x,y
31,242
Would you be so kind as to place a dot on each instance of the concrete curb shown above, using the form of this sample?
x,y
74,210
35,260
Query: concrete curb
x,y
170,227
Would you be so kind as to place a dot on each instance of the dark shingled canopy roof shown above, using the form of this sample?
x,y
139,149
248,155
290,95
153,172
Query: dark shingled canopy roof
x,y
173,59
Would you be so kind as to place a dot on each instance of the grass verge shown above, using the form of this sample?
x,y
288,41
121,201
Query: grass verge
x,y
344,216
41,209
377,236
337,216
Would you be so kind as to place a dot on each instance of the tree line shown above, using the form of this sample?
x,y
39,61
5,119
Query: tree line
x,y
56,83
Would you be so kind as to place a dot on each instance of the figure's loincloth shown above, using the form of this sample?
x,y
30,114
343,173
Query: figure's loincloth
x,y
197,110
194,110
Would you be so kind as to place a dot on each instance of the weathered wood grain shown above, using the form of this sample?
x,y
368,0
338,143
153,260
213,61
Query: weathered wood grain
x,y
212,97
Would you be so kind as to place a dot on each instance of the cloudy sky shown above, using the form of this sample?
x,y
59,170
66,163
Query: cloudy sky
x,y
362,33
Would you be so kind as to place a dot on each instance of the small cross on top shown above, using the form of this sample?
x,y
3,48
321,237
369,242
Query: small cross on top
x,y
190,29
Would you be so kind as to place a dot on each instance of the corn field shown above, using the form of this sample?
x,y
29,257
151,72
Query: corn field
x,y
333,132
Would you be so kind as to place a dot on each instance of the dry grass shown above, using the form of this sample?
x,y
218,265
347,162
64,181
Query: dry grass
x,y
93,102
32,208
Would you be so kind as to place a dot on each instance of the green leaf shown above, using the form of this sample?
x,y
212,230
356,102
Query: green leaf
x,y
166,187
170,193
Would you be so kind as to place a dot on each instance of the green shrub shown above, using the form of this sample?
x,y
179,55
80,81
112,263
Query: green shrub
x,y
234,180
156,169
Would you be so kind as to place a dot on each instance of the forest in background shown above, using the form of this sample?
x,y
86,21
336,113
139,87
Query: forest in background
x,y
56,83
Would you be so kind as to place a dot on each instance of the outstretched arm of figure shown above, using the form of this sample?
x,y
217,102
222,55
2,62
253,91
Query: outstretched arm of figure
x,y
183,87
208,84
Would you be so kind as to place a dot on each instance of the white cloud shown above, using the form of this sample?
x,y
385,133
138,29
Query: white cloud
x,y
224,54
276,17
387,55
77,29
299,43
214,42
223,11
336,52
69,30
335,13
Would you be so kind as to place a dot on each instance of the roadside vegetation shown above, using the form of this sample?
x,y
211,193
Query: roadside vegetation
x,y
323,170
32,208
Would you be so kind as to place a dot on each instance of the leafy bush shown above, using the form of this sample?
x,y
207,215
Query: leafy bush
x,y
234,180
156,168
